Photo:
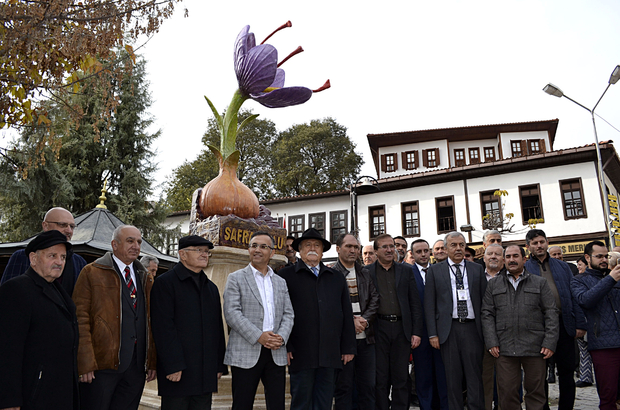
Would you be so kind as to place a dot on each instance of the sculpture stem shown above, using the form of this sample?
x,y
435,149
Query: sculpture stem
x,y
229,128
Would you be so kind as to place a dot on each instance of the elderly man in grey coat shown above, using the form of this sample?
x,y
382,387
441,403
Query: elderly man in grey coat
x,y
521,327
259,312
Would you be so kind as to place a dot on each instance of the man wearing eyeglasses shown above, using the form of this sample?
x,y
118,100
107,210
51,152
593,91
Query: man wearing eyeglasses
x,y
58,219
259,313
186,317
598,292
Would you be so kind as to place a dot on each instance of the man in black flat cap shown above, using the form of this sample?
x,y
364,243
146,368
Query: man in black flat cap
x,y
186,319
38,332
323,335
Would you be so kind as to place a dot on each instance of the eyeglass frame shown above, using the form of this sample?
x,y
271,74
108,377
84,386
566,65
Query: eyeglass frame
x,y
63,225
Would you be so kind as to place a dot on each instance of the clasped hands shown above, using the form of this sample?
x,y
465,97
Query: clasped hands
x,y
271,340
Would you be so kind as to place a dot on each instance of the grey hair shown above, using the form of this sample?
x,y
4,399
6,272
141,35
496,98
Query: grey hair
x,y
439,240
556,246
117,232
147,259
452,235
490,232
494,245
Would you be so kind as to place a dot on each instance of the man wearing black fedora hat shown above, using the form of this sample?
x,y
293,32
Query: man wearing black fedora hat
x,y
38,332
323,335
186,317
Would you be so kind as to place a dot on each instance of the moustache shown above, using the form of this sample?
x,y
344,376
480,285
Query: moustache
x,y
57,266
513,264
313,253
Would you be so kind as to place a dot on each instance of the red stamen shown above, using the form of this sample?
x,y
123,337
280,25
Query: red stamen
x,y
324,87
297,51
285,25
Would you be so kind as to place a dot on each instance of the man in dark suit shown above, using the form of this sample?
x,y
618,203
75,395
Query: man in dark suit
x,y
323,335
430,373
452,302
38,332
399,324
116,351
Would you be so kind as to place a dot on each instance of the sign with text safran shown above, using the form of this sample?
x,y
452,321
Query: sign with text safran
x,y
236,233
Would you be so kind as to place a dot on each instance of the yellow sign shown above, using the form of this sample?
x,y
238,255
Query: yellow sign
x,y
613,208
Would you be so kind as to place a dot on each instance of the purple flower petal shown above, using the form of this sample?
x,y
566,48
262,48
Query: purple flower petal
x,y
283,97
278,82
257,69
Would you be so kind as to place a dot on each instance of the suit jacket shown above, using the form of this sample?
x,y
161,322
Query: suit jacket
x,y
244,314
438,304
368,296
38,345
408,297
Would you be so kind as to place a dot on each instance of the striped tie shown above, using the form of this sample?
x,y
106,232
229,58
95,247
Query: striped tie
x,y
130,286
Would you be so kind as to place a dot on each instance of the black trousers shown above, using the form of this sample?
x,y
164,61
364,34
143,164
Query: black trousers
x,y
392,349
112,390
565,362
462,357
202,402
245,383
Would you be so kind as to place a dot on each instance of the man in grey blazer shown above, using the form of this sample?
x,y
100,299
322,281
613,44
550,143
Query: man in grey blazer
x,y
259,313
452,305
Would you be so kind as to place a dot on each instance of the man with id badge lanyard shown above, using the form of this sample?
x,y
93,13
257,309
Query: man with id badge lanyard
x,y
452,304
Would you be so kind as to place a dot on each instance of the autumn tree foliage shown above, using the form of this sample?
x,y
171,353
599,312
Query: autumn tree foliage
x,y
44,44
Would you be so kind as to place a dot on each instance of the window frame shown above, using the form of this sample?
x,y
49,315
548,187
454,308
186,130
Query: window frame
x,y
322,230
437,206
473,160
540,204
403,212
371,224
483,202
410,165
333,237
486,158
583,202
291,224
459,162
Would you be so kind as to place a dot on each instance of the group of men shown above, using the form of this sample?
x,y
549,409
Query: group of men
x,y
89,335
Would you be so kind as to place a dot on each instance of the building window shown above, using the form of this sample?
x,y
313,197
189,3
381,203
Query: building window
x,y
517,148
445,214
389,163
296,225
430,157
572,199
536,146
377,220
338,224
410,160
280,221
531,203
459,157
491,210
317,221
411,219
489,154
474,156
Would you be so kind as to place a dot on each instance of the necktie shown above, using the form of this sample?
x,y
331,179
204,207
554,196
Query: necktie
x,y
315,270
461,305
131,287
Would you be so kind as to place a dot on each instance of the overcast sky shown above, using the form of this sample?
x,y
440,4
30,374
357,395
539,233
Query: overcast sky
x,y
393,65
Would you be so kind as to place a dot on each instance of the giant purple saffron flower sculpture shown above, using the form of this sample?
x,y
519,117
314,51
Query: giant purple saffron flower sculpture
x,y
260,79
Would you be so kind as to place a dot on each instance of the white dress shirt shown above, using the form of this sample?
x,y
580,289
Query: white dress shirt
x,y
265,288
422,273
470,306
121,265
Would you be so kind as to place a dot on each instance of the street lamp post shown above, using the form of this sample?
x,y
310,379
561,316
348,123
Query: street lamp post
x,y
556,92
366,187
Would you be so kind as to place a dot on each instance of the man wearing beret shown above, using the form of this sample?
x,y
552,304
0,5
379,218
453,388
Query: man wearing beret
x,y
61,220
323,335
186,317
38,332
116,352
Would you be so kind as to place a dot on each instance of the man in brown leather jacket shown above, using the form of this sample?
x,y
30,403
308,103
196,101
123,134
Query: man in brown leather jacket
x,y
115,353
365,302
